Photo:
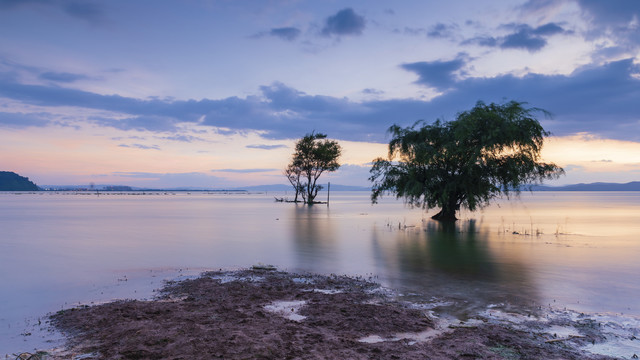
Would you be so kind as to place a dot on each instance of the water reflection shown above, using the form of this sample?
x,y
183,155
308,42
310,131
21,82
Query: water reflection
x,y
313,237
455,261
449,248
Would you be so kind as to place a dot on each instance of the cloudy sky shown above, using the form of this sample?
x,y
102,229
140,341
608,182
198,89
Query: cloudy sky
x,y
213,93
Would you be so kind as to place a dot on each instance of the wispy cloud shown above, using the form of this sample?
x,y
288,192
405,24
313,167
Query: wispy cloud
x,y
244,171
21,120
441,30
156,123
183,138
370,91
288,33
62,77
522,37
265,147
285,33
120,138
141,146
414,31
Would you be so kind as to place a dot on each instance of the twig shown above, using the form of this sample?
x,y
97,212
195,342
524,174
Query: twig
x,y
565,339
463,327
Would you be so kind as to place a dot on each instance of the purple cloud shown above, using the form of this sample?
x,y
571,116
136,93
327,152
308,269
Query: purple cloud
x,y
344,22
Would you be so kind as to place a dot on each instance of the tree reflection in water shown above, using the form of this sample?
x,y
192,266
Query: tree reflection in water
x,y
455,261
314,237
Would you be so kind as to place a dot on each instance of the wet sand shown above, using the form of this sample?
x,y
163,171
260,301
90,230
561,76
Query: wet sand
x,y
263,313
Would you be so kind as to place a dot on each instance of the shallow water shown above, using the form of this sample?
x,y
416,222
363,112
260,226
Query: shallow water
x,y
573,250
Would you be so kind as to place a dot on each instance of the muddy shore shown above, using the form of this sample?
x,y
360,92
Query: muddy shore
x,y
263,313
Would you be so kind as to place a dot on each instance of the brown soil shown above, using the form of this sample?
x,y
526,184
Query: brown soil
x,y
208,318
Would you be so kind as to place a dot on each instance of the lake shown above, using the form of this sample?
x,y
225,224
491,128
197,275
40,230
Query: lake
x,y
578,251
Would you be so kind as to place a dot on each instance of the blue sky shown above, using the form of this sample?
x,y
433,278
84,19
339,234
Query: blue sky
x,y
214,93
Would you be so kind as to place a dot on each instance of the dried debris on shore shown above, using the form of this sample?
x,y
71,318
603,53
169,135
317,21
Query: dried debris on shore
x,y
269,314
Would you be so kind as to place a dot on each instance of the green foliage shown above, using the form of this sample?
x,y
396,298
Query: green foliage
x,y
487,151
314,154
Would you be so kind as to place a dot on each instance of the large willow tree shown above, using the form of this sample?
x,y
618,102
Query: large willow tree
x,y
487,151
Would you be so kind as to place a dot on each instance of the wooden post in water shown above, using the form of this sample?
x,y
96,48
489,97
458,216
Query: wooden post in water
x,y
328,192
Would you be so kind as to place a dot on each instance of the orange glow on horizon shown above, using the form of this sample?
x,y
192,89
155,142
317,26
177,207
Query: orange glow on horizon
x,y
69,155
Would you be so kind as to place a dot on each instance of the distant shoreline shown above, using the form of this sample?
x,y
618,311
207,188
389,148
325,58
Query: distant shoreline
x,y
598,186
158,191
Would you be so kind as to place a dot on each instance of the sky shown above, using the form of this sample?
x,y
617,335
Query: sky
x,y
214,93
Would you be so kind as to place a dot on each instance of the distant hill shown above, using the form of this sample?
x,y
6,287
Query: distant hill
x,y
598,186
10,181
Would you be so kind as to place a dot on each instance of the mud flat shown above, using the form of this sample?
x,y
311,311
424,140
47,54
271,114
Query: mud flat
x,y
270,314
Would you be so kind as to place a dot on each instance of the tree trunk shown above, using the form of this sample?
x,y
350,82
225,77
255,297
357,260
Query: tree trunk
x,y
309,190
447,213
310,196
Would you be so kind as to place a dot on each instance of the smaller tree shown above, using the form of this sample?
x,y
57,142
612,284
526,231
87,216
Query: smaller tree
x,y
314,154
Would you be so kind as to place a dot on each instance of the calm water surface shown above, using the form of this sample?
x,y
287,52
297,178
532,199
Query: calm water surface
x,y
574,250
